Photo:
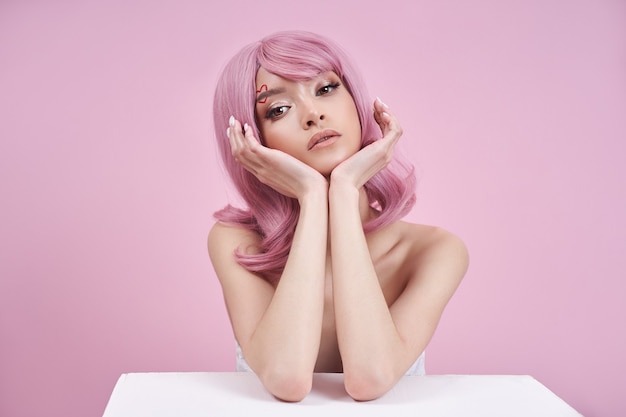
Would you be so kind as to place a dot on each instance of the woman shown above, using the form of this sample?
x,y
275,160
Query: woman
x,y
319,274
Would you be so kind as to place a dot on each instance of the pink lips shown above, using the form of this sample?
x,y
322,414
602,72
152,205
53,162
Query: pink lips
x,y
322,137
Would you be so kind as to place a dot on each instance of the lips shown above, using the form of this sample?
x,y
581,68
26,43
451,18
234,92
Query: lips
x,y
321,137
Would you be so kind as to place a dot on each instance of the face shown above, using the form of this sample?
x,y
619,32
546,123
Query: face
x,y
315,121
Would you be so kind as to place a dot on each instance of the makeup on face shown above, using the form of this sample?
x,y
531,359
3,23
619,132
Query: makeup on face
x,y
314,120
261,99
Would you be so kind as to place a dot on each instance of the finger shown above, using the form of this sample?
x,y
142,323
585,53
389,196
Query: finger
x,y
242,136
393,129
388,123
240,149
230,133
253,151
383,119
248,135
379,105
233,129
382,114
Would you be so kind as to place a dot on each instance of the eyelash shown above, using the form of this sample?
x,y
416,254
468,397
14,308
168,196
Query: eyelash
x,y
271,113
331,86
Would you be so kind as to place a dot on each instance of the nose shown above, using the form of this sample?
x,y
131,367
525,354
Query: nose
x,y
313,121
313,115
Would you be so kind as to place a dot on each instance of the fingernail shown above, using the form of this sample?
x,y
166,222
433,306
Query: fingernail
x,y
381,102
231,121
228,131
245,127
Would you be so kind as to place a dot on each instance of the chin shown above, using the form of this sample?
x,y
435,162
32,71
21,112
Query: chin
x,y
326,172
330,162
328,167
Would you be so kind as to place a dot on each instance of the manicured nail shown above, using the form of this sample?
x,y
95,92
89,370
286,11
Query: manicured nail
x,y
381,102
228,131
245,127
231,121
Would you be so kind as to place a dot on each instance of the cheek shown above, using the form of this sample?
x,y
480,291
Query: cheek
x,y
267,135
356,123
277,138
284,134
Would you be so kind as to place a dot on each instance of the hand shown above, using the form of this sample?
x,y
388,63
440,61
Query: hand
x,y
363,165
272,167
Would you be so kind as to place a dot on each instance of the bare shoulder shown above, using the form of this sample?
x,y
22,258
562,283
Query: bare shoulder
x,y
223,236
246,294
226,232
224,239
432,246
424,237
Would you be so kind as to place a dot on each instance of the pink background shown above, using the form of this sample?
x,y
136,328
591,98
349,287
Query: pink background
x,y
514,113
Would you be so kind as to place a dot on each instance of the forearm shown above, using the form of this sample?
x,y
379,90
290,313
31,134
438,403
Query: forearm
x,y
287,337
368,339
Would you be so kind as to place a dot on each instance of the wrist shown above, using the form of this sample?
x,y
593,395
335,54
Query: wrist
x,y
315,194
340,184
342,190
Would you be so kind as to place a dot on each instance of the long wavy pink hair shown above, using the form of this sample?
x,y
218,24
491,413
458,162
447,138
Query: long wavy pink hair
x,y
296,56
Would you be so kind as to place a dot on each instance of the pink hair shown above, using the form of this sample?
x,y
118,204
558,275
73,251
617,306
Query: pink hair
x,y
295,55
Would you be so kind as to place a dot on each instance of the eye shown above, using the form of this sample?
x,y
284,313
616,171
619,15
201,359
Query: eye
x,y
327,89
276,112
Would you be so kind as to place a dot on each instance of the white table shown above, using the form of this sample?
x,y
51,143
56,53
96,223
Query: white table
x,y
241,394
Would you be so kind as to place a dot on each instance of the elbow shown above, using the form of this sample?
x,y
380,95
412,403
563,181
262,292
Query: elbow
x,y
369,384
287,385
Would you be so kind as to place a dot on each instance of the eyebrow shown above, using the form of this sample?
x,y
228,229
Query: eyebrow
x,y
267,93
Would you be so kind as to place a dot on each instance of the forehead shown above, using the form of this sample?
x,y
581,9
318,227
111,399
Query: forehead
x,y
263,76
